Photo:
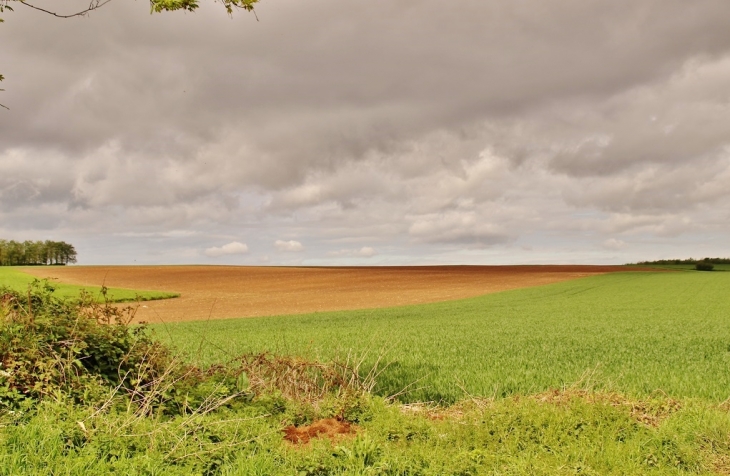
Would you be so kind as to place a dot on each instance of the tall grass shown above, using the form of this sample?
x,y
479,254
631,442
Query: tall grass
x,y
528,436
634,332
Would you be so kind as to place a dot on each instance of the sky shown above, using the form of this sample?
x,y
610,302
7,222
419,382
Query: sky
x,y
335,132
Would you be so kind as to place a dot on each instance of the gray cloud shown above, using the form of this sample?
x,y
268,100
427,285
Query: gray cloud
x,y
414,128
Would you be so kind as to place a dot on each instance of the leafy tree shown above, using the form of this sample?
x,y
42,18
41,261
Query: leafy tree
x,y
156,6
14,253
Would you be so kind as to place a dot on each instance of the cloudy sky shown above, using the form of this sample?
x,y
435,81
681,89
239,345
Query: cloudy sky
x,y
382,132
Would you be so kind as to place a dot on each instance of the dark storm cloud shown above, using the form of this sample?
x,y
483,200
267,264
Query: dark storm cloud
x,y
472,123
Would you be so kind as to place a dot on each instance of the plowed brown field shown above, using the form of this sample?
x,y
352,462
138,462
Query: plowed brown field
x,y
219,292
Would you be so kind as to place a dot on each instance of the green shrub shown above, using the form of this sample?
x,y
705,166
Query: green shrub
x,y
90,354
80,349
703,266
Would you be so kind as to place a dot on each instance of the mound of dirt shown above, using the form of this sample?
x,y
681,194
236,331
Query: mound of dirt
x,y
328,428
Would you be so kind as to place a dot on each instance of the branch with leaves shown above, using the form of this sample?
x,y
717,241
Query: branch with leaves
x,y
93,5
156,6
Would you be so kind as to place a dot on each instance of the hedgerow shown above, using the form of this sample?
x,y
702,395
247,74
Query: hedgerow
x,y
77,350
90,353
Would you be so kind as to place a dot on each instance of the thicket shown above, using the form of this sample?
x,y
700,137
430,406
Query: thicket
x,y
29,253
88,353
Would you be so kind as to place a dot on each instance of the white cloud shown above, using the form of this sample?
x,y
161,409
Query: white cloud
x,y
233,248
290,245
465,227
366,251
614,244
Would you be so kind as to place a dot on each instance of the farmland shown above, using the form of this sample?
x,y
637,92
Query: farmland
x,y
222,292
613,373
16,278
633,332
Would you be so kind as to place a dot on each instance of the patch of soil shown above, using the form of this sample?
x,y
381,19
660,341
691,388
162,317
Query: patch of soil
x,y
328,428
221,292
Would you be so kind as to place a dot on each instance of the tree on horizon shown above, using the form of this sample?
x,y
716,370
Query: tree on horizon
x,y
35,253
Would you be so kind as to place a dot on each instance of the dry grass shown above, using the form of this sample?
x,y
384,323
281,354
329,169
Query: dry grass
x,y
650,412
302,380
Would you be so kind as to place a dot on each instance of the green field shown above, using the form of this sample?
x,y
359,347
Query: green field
x,y
636,333
644,356
16,279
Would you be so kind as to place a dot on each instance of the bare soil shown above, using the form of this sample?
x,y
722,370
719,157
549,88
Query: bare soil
x,y
220,292
329,428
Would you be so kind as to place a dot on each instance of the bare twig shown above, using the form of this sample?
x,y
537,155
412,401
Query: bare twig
x,y
93,5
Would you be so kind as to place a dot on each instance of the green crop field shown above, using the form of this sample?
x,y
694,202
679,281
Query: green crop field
x,y
645,357
16,279
636,333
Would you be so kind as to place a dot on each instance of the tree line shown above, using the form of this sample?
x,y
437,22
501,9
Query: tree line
x,y
30,253
688,261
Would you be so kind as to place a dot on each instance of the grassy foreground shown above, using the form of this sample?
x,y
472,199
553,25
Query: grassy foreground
x,y
82,393
16,279
636,333
529,436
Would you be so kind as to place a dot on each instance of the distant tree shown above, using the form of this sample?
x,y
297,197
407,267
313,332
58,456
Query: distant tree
x,y
688,261
29,253
15,253
47,252
68,253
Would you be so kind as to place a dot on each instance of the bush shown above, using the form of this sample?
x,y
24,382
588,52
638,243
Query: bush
x,y
90,354
80,349
702,266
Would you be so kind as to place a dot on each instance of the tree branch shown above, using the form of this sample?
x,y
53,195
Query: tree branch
x,y
155,6
93,5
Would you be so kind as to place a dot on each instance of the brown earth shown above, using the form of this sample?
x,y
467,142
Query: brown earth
x,y
220,292
330,428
